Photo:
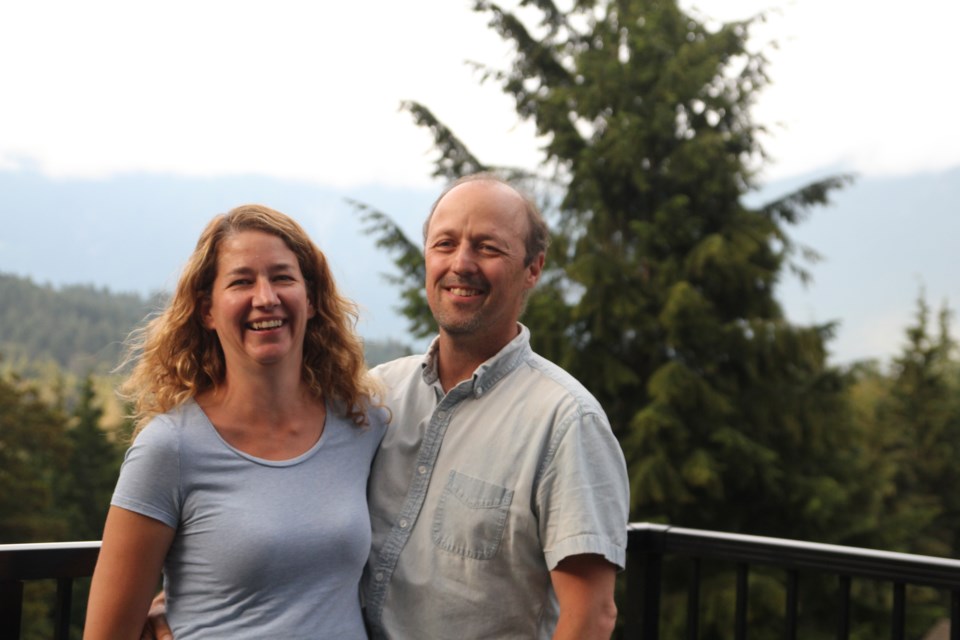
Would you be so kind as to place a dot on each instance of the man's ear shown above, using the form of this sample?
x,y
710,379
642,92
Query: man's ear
x,y
535,269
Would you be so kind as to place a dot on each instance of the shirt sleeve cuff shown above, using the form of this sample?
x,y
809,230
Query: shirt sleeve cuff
x,y
586,544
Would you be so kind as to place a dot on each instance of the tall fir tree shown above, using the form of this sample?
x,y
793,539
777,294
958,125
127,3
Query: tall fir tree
x,y
88,478
661,291
32,449
919,427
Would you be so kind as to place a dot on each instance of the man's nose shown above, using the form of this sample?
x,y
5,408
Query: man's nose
x,y
464,259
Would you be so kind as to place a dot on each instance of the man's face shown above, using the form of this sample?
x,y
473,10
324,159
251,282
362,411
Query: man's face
x,y
474,251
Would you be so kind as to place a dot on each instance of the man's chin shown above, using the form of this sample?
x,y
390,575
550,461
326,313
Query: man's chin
x,y
460,326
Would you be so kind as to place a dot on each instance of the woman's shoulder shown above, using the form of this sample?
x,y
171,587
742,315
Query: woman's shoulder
x,y
167,429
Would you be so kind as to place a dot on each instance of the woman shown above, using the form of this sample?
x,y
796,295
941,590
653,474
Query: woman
x,y
255,431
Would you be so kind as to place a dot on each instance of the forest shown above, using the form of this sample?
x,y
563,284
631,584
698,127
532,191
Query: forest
x,y
660,296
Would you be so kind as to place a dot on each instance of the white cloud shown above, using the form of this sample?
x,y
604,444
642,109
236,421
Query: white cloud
x,y
310,90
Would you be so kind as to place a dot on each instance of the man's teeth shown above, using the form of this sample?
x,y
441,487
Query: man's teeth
x,y
463,292
266,324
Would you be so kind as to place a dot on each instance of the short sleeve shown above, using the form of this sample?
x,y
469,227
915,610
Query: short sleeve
x,y
149,482
583,497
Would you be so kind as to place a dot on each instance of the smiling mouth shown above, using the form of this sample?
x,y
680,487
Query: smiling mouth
x,y
466,293
266,324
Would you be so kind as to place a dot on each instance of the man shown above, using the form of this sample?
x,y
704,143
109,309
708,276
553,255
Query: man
x,y
499,497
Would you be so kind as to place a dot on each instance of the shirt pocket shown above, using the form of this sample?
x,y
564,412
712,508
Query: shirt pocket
x,y
471,516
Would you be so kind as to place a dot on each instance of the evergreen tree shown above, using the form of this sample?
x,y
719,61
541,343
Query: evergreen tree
x,y
32,446
86,483
660,296
660,289
909,424
919,425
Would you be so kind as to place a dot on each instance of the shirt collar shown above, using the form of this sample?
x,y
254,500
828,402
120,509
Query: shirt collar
x,y
488,373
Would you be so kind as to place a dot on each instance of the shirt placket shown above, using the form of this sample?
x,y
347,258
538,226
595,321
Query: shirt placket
x,y
407,518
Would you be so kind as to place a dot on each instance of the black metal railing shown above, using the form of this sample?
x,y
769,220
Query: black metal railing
x,y
60,561
648,547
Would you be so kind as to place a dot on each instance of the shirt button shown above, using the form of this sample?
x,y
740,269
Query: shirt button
x,y
379,576
422,469
403,523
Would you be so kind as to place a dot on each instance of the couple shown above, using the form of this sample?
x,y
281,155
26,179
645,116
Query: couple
x,y
497,493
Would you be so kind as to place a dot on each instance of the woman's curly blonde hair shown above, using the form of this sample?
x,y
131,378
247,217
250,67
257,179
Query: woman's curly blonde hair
x,y
176,358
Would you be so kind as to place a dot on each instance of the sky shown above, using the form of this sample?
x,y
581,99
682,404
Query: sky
x,y
310,91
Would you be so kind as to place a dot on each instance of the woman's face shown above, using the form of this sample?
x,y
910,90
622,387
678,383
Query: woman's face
x,y
258,304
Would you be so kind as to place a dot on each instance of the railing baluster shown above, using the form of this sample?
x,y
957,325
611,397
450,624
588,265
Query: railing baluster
x,y
898,622
650,620
644,570
740,625
11,606
693,602
793,578
62,611
843,613
633,615
954,614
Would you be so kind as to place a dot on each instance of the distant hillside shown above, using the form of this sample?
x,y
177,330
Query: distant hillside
x,y
81,328
133,233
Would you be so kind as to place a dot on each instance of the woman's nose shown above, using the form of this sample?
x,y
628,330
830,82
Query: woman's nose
x,y
265,295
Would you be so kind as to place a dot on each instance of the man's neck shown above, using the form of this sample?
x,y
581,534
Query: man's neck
x,y
459,356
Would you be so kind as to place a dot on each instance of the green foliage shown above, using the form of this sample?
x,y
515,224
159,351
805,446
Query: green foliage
x,y
32,448
409,260
454,158
918,421
86,482
77,328
33,453
660,296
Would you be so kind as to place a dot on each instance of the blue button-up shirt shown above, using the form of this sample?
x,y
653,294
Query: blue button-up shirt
x,y
477,494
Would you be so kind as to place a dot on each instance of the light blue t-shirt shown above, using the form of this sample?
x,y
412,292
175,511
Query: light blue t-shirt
x,y
264,548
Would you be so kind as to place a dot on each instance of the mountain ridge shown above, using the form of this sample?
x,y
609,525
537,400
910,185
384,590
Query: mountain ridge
x,y
884,239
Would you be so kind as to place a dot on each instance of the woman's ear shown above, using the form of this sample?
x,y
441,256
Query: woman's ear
x,y
205,316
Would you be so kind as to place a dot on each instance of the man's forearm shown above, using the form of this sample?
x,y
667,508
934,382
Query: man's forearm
x,y
584,588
